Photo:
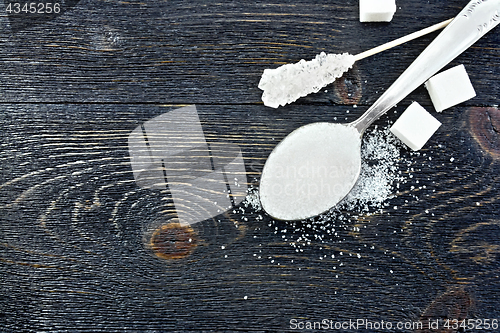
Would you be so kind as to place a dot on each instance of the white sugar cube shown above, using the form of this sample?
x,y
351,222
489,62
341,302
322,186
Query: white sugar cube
x,y
450,88
415,126
376,10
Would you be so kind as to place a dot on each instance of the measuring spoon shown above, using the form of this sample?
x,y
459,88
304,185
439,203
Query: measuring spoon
x,y
316,165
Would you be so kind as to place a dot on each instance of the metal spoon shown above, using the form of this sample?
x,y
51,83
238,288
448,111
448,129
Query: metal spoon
x,y
317,165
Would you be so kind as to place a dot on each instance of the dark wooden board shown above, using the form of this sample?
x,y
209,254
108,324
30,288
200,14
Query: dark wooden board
x,y
74,225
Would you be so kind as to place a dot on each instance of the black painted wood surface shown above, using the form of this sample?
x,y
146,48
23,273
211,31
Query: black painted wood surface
x,y
75,226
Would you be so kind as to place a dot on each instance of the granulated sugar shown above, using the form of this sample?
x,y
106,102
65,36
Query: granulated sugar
x,y
388,167
378,179
310,171
252,199
380,155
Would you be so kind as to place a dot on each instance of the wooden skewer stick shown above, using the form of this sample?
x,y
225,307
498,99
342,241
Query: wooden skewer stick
x,y
402,40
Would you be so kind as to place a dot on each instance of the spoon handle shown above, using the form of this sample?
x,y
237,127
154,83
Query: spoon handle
x,y
473,22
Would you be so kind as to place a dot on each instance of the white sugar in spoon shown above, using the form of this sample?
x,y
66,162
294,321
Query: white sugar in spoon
x,y
316,165
287,83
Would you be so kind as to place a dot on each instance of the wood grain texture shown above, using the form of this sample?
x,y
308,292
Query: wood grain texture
x,y
173,52
74,224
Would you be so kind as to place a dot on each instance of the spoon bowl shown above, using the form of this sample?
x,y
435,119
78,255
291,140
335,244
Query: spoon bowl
x,y
311,170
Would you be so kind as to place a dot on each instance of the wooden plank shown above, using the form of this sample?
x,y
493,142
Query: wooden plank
x,y
173,52
74,254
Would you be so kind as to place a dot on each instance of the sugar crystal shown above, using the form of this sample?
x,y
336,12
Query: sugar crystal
x,y
289,82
